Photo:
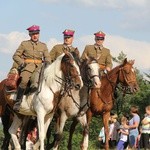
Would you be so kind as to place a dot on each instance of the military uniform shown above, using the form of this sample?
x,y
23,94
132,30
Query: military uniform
x,y
31,54
57,50
29,57
98,51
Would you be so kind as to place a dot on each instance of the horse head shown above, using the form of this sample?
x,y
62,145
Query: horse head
x,y
71,71
127,75
90,72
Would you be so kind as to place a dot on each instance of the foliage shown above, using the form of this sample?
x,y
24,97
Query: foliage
x,y
1,134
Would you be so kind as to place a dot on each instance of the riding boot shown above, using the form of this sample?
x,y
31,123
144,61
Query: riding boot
x,y
18,101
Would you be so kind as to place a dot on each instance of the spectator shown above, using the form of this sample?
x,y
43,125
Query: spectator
x,y
113,133
133,127
123,134
145,135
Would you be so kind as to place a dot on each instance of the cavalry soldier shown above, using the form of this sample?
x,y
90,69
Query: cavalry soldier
x,y
58,49
29,57
99,51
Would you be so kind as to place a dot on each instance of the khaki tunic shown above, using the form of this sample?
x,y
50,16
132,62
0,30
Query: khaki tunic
x,y
57,50
102,53
31,50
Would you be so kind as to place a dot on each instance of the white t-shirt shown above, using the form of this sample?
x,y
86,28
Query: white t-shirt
x,y
124,137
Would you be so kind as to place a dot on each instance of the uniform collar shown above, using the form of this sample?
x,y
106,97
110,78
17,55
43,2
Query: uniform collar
x,y
67,46
100,47
34,42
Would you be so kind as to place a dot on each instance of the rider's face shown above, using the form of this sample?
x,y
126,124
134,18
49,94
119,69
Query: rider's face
x,y
34,37
68,40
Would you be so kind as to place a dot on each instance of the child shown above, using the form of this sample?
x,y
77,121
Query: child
x,y
123,134
113,131
145,136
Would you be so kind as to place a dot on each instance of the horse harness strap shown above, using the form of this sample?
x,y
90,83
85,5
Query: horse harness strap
x,y
36,61
125,77
70,95
99,95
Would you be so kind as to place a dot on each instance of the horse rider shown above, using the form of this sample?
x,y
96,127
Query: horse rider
x,y
99,52
29,57
58,49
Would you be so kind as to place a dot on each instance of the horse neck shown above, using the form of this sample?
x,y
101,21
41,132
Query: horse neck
x,y
109,81
53,76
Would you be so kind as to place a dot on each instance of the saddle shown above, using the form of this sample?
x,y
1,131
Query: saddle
x,y
12,80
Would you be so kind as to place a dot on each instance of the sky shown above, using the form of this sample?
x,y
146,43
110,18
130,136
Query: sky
x,y
125,23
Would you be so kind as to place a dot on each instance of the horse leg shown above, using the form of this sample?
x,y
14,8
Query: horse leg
x,y
106,117
6,121
40,120
59,129
71,131
13,130
43,124
24,131
85,139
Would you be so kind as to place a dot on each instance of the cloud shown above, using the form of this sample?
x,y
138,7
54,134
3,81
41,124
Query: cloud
x,y
9,42
51,42
137,50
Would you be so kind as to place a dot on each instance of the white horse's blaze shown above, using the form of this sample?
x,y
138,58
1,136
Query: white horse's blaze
x,y
42,102
94,74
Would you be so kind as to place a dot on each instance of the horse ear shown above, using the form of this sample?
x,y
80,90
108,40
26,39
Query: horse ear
x,y
77,52
125,61
132,62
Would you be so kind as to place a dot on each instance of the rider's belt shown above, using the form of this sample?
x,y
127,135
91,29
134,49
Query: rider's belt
x,y
102,67
36,61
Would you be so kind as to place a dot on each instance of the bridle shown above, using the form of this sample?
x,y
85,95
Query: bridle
x,y
125,76
89,76
124,86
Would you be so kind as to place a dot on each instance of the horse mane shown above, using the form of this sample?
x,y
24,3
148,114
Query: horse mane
x,y
53,71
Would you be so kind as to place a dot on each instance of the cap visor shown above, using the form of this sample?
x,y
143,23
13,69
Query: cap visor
x,y
68,36
100,38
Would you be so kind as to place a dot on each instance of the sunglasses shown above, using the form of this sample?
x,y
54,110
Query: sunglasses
x,y
99,39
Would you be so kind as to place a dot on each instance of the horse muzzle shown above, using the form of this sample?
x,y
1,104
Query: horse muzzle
x,y
134,88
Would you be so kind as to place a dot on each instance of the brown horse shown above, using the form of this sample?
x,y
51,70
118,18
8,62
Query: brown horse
x,y
102,99
6,115
63,71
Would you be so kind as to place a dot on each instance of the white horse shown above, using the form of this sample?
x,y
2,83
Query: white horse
x,y
75,103
43,102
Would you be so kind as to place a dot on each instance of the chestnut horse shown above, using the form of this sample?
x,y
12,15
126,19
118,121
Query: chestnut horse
x,y
102,99
74,103
42,103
